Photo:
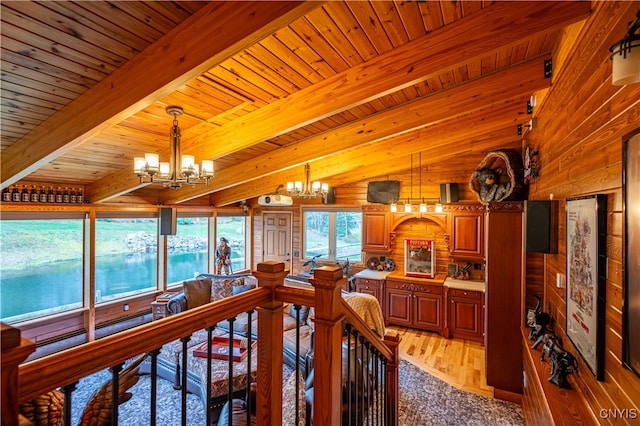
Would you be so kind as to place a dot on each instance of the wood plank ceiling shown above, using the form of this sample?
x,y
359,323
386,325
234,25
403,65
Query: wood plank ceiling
x,y
265,86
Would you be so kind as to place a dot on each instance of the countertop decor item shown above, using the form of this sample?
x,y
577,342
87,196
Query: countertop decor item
x,y
373,263
389,265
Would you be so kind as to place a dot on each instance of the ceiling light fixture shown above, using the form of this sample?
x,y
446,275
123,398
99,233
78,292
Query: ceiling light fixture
x,y
168,173
408,208
625,55
307,189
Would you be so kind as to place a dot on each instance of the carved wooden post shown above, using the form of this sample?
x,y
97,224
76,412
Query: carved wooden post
x,y
270,346
327,360
392,343
15,350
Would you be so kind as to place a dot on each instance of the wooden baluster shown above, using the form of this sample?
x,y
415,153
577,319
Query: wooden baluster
x,y
327,395
270,345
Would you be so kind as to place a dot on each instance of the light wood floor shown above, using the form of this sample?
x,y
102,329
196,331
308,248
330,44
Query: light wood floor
x,y
457,362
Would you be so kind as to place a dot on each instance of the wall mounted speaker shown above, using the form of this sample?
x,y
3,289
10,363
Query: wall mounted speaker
x,y
383,192
448,193
168,221
542,226
330,198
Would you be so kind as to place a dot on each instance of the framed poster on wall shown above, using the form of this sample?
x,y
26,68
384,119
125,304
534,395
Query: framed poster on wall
x,y
586,278
631,203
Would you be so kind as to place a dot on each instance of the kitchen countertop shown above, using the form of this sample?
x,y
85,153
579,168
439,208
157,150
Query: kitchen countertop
x,y
464,284
372,274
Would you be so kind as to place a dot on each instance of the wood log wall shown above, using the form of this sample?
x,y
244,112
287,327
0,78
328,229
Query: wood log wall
x,y
579,134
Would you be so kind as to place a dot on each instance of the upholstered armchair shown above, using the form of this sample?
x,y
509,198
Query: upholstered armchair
x,y
195,292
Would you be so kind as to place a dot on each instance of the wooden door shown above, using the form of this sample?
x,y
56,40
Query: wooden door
x,y
375,237
427,308
468,235
277,238
398,307
465,315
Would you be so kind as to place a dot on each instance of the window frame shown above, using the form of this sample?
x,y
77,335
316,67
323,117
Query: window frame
x,y
47,216
332,243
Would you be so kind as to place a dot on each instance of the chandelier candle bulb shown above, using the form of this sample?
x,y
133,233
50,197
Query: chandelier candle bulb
x,y
152,160
207,168
165,170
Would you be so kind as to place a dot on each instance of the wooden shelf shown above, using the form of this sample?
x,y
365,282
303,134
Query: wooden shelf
x,y
543,402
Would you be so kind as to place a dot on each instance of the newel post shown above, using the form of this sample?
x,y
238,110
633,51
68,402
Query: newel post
x,y
15,349
327,360
392,342
269,391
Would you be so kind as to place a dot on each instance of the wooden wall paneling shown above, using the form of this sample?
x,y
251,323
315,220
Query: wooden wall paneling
x,y
581,154
59,326
419,228
258,228
534,279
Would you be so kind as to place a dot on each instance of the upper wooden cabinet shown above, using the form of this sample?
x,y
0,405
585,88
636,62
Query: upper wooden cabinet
x,y
375,231
466,230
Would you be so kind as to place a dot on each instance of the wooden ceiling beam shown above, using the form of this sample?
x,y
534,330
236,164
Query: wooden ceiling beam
x,y
518,81
381,157
199,43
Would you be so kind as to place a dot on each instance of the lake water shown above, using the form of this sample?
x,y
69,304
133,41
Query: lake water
x,y
57,287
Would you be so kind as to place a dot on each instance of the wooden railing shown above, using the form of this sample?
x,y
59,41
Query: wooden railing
x,y
69,366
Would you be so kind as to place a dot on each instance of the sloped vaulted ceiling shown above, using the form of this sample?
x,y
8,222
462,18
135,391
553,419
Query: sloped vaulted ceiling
x,y
265,86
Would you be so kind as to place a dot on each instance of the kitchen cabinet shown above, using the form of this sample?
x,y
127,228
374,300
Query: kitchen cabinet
x,y
465,315
467,233
375,232
415,305
372,287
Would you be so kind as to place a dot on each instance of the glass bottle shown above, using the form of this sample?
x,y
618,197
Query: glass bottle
x,y
59,195
6,194
43,194
51,196
72,197
34,194
25,194
79,198
65,196
16,194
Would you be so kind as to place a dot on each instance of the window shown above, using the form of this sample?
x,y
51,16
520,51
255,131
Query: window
x,y
126,256
333,235
234,229
41,268
188,250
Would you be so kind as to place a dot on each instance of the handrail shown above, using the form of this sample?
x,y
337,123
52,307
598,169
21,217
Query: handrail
x,y
68,366
296,295
356,321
